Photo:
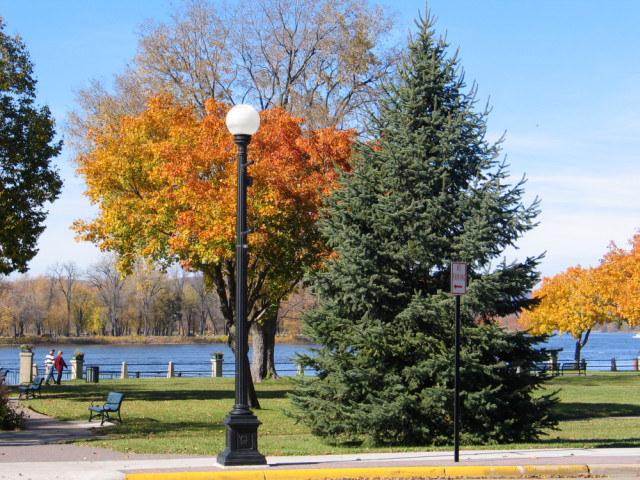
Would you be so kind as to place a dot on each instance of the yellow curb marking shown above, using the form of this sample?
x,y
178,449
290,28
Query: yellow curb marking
x,y
395,472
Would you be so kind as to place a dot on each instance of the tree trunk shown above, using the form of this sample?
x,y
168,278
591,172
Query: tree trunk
x,y
258,370
270,328
252,401
264,340
580,343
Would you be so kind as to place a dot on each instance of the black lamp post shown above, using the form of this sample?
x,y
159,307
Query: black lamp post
x,y
241,424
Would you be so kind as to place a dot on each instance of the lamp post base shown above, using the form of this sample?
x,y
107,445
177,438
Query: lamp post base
x,y
242,442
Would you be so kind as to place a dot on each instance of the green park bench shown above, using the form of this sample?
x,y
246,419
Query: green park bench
x,y
32,389
110,407
580,367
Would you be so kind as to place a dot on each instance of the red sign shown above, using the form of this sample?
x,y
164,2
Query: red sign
x,y
458,278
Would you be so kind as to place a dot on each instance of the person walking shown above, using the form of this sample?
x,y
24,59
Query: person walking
x,y
49,360
59,364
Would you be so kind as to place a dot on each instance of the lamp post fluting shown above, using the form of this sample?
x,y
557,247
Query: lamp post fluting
x,y
241,424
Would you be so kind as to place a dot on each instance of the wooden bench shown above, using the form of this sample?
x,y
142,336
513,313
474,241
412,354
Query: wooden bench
x,y
32,389
580,367
111,406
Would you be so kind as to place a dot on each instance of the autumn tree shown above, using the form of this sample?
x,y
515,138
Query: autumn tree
x,y
86,309
208,306
66,276
165,186
148,282
322,60
30,306
620,280
579,299
28,181
183,299
105,277
50,302
571,302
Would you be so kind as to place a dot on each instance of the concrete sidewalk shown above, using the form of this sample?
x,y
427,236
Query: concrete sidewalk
x,y
38,452
620,463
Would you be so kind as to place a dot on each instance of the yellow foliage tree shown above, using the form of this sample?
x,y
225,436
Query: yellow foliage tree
x,y
621,273
573,302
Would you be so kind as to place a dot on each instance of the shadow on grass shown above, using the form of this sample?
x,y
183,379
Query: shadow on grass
x,y
97,395
156,393
144,427
578,411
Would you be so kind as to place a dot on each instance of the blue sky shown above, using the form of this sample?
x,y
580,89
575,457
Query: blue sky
x,y
562,78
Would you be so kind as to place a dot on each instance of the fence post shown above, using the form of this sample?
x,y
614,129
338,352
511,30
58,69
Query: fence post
x,y
171,371
614,366
124,371
216,365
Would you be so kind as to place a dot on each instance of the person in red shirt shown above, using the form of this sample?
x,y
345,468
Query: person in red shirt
x,y
59,364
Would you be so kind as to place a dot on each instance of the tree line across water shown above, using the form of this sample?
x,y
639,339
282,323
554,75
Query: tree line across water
x,y
100,302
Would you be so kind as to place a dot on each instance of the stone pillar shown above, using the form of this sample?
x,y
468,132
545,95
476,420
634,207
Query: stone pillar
x,y
216,365
171,371
300,370
553,361
26,367
124,371
34,370
77,365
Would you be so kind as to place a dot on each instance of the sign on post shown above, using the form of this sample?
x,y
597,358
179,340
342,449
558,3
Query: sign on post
x,y
458,288
458,278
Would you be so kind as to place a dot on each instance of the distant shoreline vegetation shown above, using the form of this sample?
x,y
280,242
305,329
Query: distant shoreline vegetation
x,y
133,339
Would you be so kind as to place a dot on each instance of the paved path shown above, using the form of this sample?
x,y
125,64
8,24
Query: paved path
x,y
38,452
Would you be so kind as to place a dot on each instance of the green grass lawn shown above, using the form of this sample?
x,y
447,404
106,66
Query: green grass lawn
x,y
183,415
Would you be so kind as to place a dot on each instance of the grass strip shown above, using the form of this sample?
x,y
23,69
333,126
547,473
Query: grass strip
x,y
183,415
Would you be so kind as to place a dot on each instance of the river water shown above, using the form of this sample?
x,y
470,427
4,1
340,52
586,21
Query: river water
x,y
151,360
194,360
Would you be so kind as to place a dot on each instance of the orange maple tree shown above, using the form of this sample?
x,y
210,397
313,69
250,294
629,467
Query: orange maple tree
x,y
165,185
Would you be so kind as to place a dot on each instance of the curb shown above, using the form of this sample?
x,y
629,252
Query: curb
x,y
615,470
363,473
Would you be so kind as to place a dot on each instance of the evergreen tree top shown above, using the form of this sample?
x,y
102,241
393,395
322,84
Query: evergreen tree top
x,y
430,189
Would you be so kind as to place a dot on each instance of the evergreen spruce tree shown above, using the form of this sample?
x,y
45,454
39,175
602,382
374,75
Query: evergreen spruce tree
x,y
429,190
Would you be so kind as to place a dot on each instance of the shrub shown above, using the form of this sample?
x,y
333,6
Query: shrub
x,y
9,418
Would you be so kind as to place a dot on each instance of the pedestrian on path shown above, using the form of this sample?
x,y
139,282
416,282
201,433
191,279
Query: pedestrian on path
x,y
59,365
49,361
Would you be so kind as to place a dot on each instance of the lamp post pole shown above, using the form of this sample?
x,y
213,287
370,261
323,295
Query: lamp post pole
x,y
241,424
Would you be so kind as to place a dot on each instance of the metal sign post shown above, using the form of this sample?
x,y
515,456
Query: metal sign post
x,y
458,288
